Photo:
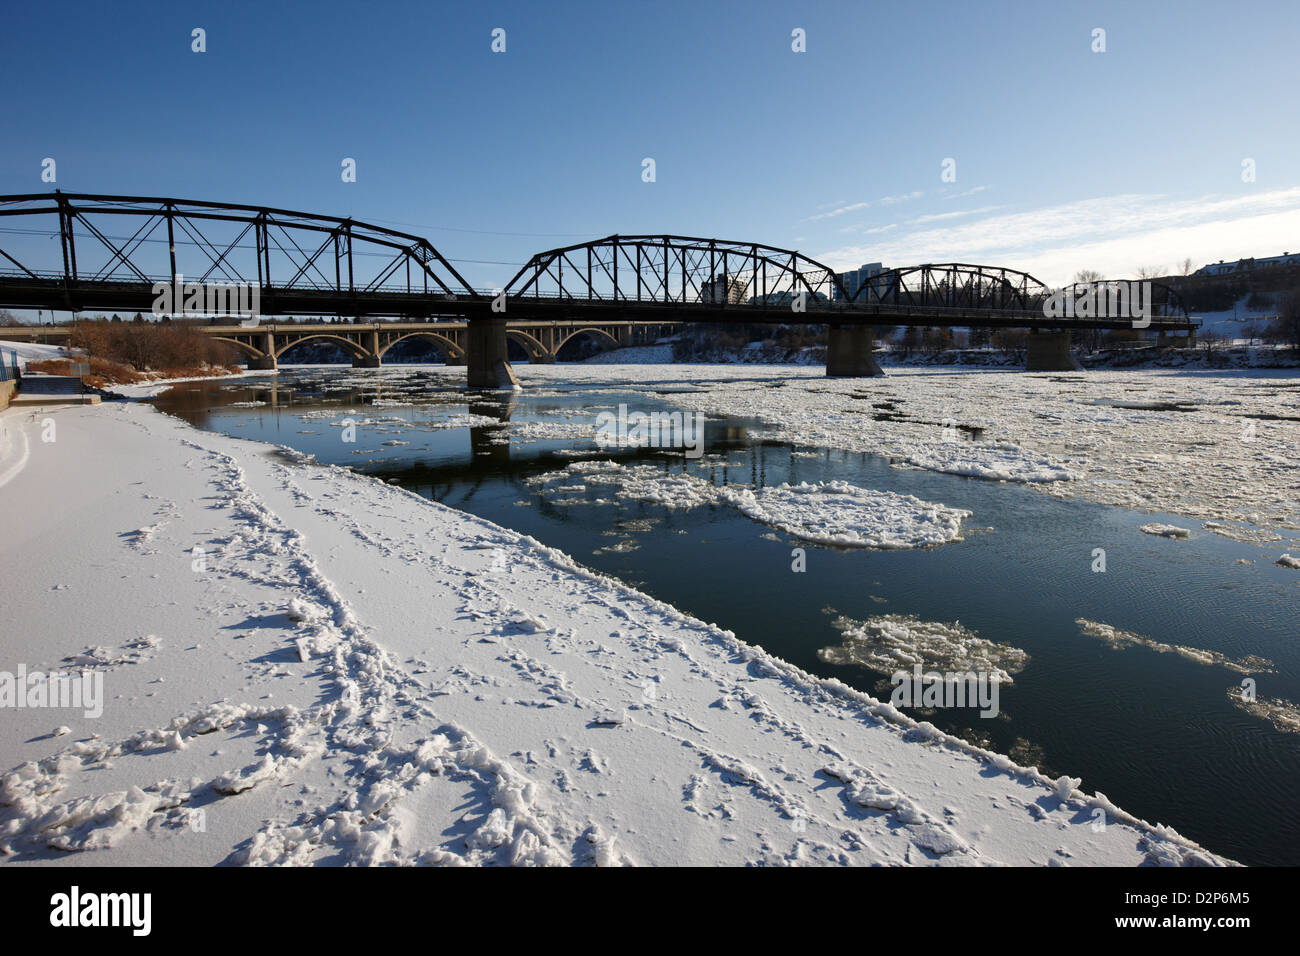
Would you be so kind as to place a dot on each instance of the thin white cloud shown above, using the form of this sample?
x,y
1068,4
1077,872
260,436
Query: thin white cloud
x,y
968,192
1113,234
838,211
940,216
854,207
891,200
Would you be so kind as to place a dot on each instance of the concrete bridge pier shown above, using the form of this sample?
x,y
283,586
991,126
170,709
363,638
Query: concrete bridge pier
x,y
371,358
267,362
486,359
848,352
1050,352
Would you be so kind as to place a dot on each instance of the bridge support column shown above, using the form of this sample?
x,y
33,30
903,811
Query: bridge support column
x,y
848,352
487,364
267,363
1050,352
371,360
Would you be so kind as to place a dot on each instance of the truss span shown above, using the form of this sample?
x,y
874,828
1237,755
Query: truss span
x,y
675,270
134,241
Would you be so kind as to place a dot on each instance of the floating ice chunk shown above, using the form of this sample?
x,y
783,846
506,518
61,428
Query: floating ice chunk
x,y
1166,530
893,642
998,462
838,513
1118,639
1287,561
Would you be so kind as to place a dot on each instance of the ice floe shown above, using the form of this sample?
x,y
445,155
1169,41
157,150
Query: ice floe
x,y
1118,639
894,642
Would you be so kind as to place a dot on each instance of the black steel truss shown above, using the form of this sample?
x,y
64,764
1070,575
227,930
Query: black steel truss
x,y
674,270
114,248
153,239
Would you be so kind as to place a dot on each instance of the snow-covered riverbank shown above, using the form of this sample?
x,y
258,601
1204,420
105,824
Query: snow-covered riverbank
x,y
302,665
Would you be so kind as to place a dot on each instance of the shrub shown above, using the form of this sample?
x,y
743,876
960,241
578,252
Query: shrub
x,y
148,346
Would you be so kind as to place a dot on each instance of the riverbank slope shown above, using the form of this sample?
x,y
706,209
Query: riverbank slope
x,y
304,665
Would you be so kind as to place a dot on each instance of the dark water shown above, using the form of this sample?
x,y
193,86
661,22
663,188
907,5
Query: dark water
x,y
1155,732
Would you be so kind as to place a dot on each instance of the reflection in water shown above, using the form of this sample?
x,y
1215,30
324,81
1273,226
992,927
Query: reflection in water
x,y
490,442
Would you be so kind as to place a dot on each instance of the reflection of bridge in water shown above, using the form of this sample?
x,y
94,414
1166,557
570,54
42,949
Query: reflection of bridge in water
x,y
493,451
114,250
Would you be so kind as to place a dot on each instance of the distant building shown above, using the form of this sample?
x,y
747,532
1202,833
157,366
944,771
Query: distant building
x,y
787,298
1222,268
857,278
724,290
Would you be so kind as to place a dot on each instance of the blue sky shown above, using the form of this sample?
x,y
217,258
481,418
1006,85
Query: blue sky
x,y
1065,158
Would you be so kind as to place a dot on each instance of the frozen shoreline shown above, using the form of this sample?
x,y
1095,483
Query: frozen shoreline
x,y
350,673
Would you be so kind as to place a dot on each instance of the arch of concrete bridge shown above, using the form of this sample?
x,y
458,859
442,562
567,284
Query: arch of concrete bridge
x,y
449,348
250,350
599,333
354,350
532,346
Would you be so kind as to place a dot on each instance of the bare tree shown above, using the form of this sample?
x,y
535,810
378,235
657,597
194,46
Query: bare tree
x,y
1213,340
1150,272
1287,324
1088,338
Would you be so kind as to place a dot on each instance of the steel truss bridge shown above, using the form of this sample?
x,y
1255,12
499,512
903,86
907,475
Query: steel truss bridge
x,y
86,253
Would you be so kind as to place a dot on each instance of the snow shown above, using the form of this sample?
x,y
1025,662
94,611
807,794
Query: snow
x,y
833,512
999,462
359,675
1165,530
1205,445
29,352
1120,639
633,355
839,513
896,642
